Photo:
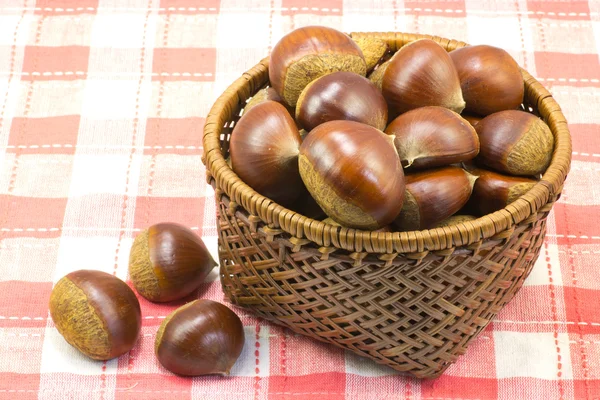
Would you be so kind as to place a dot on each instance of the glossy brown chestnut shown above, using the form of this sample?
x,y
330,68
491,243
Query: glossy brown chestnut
x,y
490,79
374,50
353,172
341,96
421,74
168,262
266,94
432,196
514,142
307,53
455,220
264,150
97,313
471,118
432,137
493,191
200,338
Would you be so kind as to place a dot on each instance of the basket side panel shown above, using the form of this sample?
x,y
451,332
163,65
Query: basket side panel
x,y
414,315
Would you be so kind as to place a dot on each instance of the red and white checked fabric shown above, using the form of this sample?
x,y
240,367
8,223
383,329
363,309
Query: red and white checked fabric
x,y
102,105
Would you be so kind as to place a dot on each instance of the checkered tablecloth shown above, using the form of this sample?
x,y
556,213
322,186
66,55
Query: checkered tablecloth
x,y
102,105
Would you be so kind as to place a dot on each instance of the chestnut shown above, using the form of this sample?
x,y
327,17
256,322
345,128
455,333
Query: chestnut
x,y
376,76
266,94
433,136
433,195
353,172
421,74
200,338
490,79
264,150
514,142
493,191
374,50
168,262
97,313
471,118
455,220
341,96
307,53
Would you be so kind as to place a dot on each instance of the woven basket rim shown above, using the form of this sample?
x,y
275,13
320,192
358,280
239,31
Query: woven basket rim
x,y
467,233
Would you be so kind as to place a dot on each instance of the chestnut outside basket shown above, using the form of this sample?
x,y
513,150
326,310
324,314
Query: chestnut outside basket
x,y
409,300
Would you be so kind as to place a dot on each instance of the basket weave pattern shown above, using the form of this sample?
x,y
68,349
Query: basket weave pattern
x,y
409,300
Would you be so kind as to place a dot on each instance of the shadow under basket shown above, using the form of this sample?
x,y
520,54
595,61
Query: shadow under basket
x,y
410,300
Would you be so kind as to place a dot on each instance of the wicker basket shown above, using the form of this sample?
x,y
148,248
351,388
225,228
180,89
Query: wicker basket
x,y
409,300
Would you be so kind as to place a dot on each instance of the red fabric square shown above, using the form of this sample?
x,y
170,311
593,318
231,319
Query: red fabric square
x,y
184,64
21,386
463,388
24,304
329,386
560,65
319,7
582,310
50,135
436,8
576,224
53,7
32,216
55,63
575,10
585,139
181,135
587,389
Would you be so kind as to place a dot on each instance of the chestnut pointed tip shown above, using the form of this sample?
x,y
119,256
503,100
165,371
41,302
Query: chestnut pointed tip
x,y
472,178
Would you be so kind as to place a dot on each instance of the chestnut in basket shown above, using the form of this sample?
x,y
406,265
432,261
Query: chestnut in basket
x,y
493,191
455,220
200,338
490,79
344,96
264,150
432,196
307,53
374,50
420,74
97,313
263,95
168,262
353,171
514,142
433,136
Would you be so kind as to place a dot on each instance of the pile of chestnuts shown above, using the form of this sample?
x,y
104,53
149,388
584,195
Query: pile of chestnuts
x,y
99,314
353,135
